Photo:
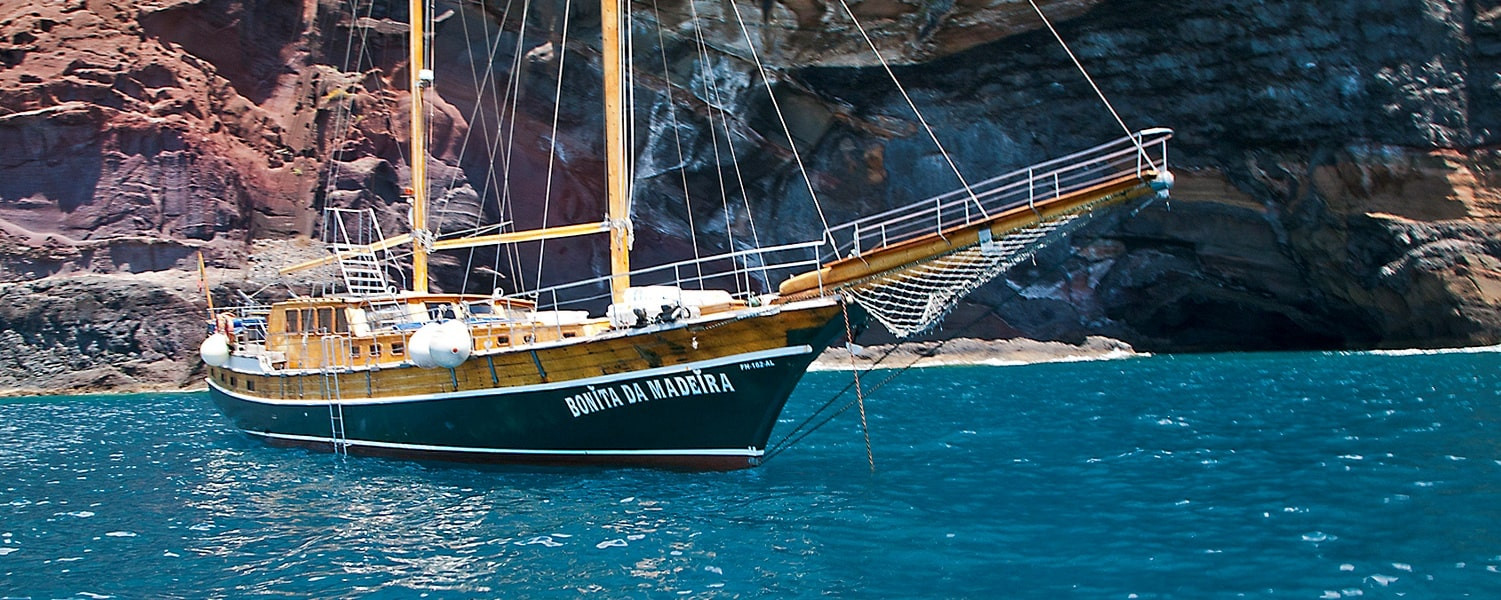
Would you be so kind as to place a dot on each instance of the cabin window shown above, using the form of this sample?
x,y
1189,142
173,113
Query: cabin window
x,y
325,320
308,326
354,352
234,382
569,334
250,384
341,321
504,339
292,323
397,348
375,350
440,310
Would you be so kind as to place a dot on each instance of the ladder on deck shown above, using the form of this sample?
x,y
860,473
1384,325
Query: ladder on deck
x,y
350,234
335,348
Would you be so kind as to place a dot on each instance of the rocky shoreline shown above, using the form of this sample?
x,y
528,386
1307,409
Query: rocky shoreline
x,y
972,351
100,333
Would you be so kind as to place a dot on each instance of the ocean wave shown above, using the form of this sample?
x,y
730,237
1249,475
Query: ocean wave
x,y
1425,351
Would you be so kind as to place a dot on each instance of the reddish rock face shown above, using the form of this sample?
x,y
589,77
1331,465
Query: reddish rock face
x,y
133,135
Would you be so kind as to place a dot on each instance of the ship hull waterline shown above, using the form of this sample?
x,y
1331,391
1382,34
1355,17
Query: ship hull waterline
x,y
715,414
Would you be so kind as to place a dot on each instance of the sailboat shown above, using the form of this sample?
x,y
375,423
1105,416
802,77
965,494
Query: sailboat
x,y
674,373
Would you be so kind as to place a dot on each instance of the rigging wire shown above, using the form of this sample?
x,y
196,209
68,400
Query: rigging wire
x,y
818,419
786,130
507,206
481,85
342,116
717,102
478,119
724,192
1129,134
343,121
632,162
492,180
913,106
552,140
677,136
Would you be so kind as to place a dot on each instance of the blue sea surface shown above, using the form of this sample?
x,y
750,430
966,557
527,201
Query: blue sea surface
x,y
1330,475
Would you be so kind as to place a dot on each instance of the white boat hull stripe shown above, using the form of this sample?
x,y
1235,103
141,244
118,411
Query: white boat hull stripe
x,y
472,450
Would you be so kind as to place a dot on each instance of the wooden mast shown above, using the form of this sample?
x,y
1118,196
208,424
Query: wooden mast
x,y
617,187
420,78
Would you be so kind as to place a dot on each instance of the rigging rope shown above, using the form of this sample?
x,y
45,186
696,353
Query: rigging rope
x,y
717,102
786,130
912,301
632,159
1139,147
507,208
724,193
552,140
849,336
682,165
913,106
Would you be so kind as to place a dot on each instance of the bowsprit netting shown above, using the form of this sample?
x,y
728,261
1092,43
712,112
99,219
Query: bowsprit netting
x,y
911,301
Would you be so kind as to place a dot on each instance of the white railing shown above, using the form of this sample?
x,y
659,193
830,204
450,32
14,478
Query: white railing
x,y
1142,154
744,273
748,273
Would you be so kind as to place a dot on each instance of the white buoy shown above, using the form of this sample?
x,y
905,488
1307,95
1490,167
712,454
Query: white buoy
x,y
450,344
418,346
215,350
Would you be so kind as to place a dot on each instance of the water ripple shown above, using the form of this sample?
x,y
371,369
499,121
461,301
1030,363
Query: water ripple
x,y
1315,475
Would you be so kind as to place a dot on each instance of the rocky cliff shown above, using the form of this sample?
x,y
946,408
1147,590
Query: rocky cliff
x,y
1337,161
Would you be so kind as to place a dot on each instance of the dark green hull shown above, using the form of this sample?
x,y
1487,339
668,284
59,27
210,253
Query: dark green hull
x,y
716,414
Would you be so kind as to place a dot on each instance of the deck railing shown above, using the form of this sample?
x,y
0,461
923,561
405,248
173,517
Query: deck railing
x,y
744,273
748,273
1143,154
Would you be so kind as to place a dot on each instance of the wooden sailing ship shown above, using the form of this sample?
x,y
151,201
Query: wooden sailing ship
x,y
672,373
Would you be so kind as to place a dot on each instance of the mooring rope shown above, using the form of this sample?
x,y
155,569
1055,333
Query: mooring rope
x,y
849,336
807,426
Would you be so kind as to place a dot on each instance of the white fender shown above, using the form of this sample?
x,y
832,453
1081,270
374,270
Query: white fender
x,y
215,350
418,346
450,344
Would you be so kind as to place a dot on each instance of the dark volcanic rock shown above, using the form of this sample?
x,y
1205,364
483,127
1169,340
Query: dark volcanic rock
x,y
98,333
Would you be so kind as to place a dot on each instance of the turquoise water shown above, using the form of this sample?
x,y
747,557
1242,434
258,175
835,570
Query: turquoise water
x,y
1276,475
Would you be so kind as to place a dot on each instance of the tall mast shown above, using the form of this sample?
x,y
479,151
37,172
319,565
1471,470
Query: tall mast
x,y
617,188
420,78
